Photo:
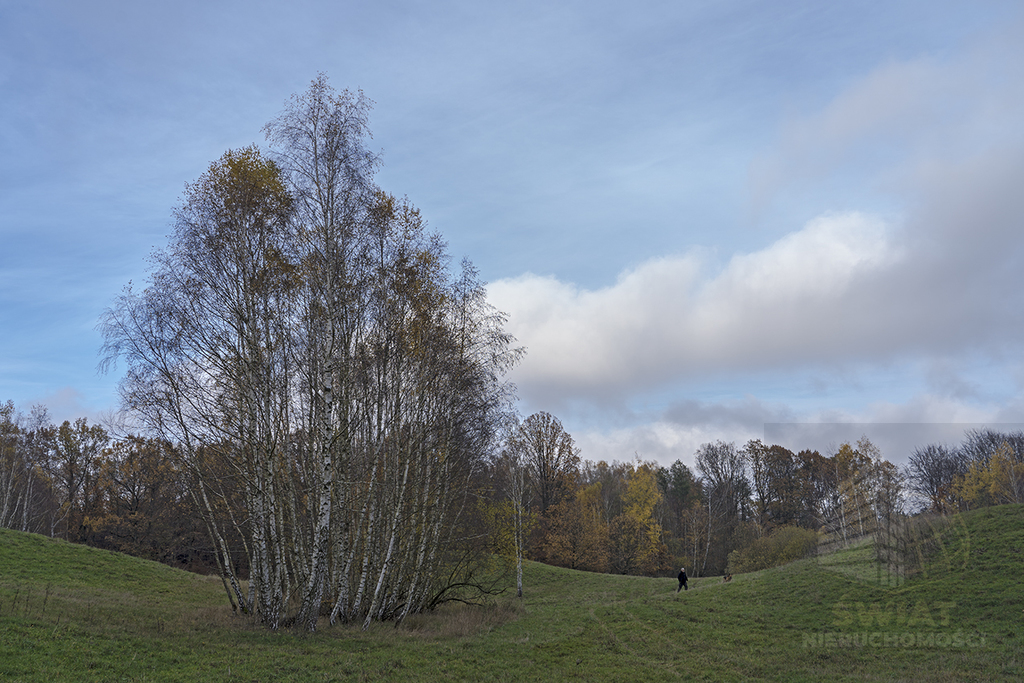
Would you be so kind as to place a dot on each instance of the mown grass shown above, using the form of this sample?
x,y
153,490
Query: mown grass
x,y
74,613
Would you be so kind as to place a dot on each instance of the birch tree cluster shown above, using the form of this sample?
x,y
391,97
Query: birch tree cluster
x,y
333,389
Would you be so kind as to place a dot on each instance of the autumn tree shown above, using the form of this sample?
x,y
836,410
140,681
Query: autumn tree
x,y
998,481
776,484
756,453
15,468
979,445
612,478
679,491
72,470
984,469
319,141
209,350
847,511
577,535
867,497
142,501
333,390
887,486
817,481
551,457
28,499
694,527
509,521
636,537
127,496
789,489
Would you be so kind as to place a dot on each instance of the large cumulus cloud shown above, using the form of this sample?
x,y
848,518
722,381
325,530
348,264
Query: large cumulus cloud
x,y
801,298
915,270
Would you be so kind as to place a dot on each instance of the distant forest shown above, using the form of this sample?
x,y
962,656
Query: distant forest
x,y
131,495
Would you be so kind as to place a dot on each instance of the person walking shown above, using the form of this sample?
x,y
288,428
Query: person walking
x,y
682,580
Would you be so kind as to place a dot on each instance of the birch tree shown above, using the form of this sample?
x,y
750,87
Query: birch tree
x,y
516,522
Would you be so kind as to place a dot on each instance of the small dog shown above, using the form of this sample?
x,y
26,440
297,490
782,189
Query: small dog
x,y
727,578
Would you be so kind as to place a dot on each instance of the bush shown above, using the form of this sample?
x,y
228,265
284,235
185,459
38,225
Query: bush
x,y
785,544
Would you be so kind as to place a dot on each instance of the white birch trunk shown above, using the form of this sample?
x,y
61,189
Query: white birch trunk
x,y
421,553
376,601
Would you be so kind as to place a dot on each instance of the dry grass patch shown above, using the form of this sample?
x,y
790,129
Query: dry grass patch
x,y
457,620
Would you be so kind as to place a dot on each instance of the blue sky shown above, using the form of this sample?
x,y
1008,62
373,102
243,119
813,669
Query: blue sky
x,y
702,217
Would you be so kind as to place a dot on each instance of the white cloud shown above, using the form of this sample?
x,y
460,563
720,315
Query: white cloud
x,y
672,318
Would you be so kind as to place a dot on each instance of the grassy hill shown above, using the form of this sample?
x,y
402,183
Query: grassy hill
x,y
69,612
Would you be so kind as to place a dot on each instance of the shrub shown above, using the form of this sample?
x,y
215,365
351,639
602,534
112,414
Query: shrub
x,y
785,544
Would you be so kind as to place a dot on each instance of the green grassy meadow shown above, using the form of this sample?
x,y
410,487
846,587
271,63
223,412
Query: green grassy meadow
x,y
72,613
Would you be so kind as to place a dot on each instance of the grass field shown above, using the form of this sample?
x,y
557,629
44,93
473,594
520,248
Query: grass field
x,y
71,613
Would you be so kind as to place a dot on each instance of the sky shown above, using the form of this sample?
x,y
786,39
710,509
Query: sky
x,y
796,221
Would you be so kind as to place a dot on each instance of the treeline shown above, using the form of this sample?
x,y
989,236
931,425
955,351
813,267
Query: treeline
x,y
74,482
642,518
739,509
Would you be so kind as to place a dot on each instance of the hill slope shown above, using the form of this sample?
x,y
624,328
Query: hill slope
x,y
74,613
